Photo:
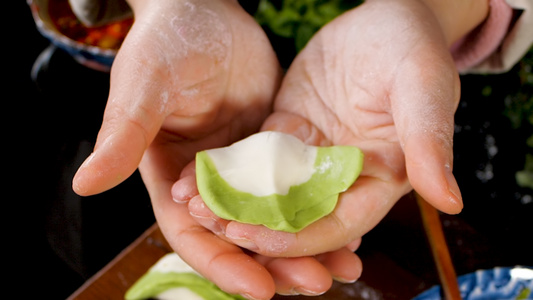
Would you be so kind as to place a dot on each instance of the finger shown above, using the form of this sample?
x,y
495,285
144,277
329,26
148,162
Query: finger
x,y
297,275
133,116
430,173
291,276
354,245
343,265
224,264
116,156
423,110
204,216
189,170
184,189
358,210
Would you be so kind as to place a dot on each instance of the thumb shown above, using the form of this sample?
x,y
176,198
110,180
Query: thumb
x,y
119,149
131,121
424,116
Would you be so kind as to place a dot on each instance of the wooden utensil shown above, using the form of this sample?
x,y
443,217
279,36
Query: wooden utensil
x,y
439,249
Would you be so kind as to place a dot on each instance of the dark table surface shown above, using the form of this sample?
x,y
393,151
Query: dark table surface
x,y
394,268
52,118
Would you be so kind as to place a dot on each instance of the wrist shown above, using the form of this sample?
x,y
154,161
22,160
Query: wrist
x,y
458,17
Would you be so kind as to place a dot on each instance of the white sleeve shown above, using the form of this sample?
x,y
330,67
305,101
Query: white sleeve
x,y
518,40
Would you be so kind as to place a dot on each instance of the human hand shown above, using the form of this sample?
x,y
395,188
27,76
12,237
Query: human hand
x,y
190,75
379,77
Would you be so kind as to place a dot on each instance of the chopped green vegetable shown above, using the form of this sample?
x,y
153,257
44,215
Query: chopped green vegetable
x,y
524,178
300,19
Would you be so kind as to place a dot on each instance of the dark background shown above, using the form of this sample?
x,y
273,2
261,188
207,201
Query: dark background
x,y
56,239
59,239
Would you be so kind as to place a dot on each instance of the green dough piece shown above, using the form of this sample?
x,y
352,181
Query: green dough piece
x,y
155,282
335,170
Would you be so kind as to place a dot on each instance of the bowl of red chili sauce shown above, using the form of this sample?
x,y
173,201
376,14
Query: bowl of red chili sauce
x,y
94,47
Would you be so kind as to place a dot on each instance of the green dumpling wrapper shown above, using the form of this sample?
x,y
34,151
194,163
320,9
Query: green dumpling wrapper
x,y
171,273
317,176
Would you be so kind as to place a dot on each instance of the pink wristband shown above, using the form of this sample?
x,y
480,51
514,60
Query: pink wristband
x,y
485,39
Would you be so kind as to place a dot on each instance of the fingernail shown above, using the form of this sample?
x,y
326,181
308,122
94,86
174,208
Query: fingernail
x,y
306,292
198,208
180,200
453,187
344,280
184,189
291,292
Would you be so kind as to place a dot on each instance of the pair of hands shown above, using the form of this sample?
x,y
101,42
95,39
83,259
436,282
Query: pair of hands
x,y
201,74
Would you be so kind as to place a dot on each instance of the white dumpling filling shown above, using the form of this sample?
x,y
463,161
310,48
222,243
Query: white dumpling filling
x,y
173,263
267,163
179,293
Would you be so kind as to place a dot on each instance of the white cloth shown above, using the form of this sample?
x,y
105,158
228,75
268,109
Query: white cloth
x,y
515,44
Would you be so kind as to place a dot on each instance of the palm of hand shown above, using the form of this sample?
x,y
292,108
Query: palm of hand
x,y
189,76
205,61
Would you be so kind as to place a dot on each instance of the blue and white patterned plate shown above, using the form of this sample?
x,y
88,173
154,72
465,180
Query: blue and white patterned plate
x,y
500,283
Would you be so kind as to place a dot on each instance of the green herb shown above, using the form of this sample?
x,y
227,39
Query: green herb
x,y
300,19
524,294
519,110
